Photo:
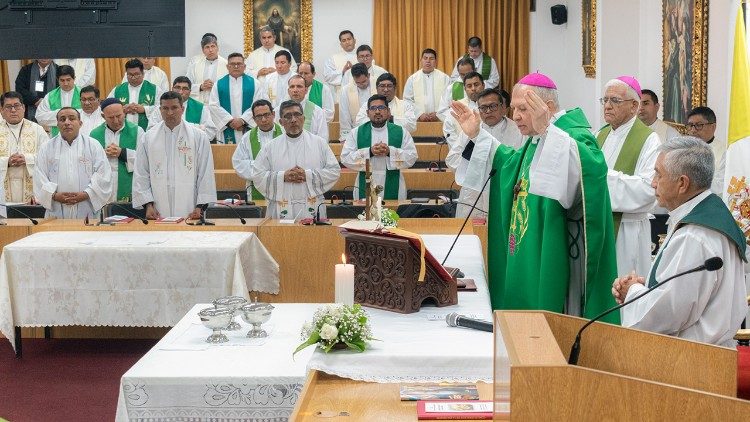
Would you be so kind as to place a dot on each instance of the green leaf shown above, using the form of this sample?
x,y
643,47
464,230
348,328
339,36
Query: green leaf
x,y
314,338
357,345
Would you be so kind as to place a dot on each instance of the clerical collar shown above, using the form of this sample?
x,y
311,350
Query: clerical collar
x,y
381,128
711,140
14,126
115,131
266,131
625,127
426,73
681,211
297,136
135,86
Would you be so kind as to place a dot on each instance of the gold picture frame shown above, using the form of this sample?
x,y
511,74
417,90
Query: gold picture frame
x,y
684,58
300,27
588,34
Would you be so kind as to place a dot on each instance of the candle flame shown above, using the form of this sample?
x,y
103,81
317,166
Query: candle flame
x,y
343,258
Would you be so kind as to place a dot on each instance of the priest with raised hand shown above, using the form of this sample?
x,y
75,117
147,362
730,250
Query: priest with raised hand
x,y
72,178
294,170
120,139
174,168
196,112
67,94
388,146
551,241
206,68
264,131
137,94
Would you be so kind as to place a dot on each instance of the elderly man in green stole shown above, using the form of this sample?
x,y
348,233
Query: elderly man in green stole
x,y
137,94
258,137
120,139
551,241
67,94
388,146
317,92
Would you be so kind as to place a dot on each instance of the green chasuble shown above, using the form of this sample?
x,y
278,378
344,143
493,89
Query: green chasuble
x,y
248,93
486,65
128,140
316,93
146,97
55,103
255,149
530,246
457,91
193,110
364,140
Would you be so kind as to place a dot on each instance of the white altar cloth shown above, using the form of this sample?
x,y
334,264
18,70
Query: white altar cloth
x,y
145,279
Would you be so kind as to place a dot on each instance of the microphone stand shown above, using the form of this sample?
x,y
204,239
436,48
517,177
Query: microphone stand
x,y
33,221
129,212
317,221
440,168
242,220
202,220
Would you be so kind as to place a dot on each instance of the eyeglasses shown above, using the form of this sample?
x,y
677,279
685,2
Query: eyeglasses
x,y
10,107
364,56
263,116
697,126
612,100
377,108
235,64
489,108
292,116
89,100
386,86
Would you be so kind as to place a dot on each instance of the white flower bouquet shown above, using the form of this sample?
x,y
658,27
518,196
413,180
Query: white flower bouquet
x,y
335,326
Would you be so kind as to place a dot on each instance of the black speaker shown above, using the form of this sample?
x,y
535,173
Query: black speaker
x,y
559,14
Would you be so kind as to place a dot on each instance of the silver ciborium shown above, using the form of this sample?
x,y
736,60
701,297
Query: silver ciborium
x,y
233,303
216,319
256,313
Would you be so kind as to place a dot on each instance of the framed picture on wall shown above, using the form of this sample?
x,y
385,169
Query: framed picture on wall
x,y
291,21
685,58
588,33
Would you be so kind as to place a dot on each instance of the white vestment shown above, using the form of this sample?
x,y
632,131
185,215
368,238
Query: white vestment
x,y
90,121
85,70
242,159
134,93
705,306
397,159
350,101
262,57
79,167
222,117
665,131
374,72
491,82
402,112
451,128
318,126
207,123
444,109
634,197
174,169
156,76
200,69
276,87
24,138
424,90
111,137
328,105
45,116
295,200
333,70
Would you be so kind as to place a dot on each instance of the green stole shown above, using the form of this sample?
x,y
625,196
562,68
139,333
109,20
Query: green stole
x,y
146,97
457,91
486,65
248,93
316,93
55,103
629,153
711,213
364,140
529,243
308,113
128,140
193,111
255,149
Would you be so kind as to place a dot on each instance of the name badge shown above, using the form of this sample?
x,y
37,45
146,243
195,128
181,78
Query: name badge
x,y
39,86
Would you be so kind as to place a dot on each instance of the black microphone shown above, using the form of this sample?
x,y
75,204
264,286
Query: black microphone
x,y
242,220
202,219
441,142
33,221
476,201
317,220
343,200
711,264
456,320
128,212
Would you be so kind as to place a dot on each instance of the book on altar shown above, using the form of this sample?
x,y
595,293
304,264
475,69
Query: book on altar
x,y
456,409
170,220
442,391
118,219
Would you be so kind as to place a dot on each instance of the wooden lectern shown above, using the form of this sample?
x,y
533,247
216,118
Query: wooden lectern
x,y
623,374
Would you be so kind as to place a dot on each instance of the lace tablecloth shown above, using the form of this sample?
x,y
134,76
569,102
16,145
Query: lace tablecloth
x,y
147,279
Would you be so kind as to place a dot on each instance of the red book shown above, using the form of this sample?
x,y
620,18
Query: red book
x,y
454,409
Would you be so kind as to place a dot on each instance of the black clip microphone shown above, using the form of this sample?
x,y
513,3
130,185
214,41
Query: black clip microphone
x,y
242,220
128,212
711,264
33,221
455,320
317,221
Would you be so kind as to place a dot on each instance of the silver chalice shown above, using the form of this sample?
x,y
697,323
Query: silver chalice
x,y
216,319
256,313
233,303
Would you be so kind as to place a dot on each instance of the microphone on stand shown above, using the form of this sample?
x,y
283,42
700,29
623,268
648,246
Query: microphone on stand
x,y
128,212
343,196
456,320
242,220
317,221
442,142
33,221
202,220
711,264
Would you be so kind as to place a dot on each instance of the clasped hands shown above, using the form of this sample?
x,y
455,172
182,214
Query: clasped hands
x,y
538,110
16,160
237,123
621,286
295,175
380,150
133,108
112,151
70,198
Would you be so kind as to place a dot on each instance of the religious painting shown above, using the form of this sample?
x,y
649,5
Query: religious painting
x,y
290,20
685,58
588,33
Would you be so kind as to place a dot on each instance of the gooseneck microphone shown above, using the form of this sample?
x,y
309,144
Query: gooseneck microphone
x,y
128,212
15,209
317,221
242,220
711,264
456,320
343,195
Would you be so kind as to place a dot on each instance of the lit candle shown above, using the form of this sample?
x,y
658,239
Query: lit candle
x,y
344,282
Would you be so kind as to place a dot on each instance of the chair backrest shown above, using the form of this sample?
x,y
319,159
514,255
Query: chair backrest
x,y
426,210
344,211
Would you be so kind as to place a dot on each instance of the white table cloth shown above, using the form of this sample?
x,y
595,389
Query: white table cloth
x,y
145,279
184,378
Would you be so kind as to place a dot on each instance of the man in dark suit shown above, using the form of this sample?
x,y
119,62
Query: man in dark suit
x,y
34,81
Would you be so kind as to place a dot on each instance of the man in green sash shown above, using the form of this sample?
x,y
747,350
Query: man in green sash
x,y
388,146
253,141
231,98
705,306
551,242
317,92
484,63
196,112
67,94
630,148
315,119
120,139
137,94
455,91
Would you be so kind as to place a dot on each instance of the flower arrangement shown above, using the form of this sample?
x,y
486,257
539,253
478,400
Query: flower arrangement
x,y
337,325
388,217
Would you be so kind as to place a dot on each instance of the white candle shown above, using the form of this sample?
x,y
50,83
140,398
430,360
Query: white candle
x,y
380,208
344,283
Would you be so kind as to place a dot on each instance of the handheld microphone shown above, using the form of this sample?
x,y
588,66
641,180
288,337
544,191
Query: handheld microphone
x,y
476,201
242,220
128,212
456,320
15,209
711,264
317,220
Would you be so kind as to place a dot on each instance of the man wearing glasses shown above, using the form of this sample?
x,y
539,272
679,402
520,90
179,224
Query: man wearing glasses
x,y
196,112
388,146
402,112
365,56
91,114
138,95
253,142
294,170
701,123
20,139
630,149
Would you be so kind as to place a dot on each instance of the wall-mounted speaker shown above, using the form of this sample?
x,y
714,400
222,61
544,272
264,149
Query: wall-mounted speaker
x,y
559,14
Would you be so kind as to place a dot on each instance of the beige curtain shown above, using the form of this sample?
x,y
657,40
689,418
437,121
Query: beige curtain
x,y
403,28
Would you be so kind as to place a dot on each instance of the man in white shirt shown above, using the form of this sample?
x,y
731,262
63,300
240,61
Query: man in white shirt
x,y
473,85
648,115
315,119
261,62
253,141
364,55
455,90
340,63
67,94
85,70
152,73
196,112
705,306
483,63
317,92
424,88
91,114
402,112
206,68
353,96
277,83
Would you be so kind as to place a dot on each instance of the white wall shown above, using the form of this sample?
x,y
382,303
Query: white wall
x,y
333,16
